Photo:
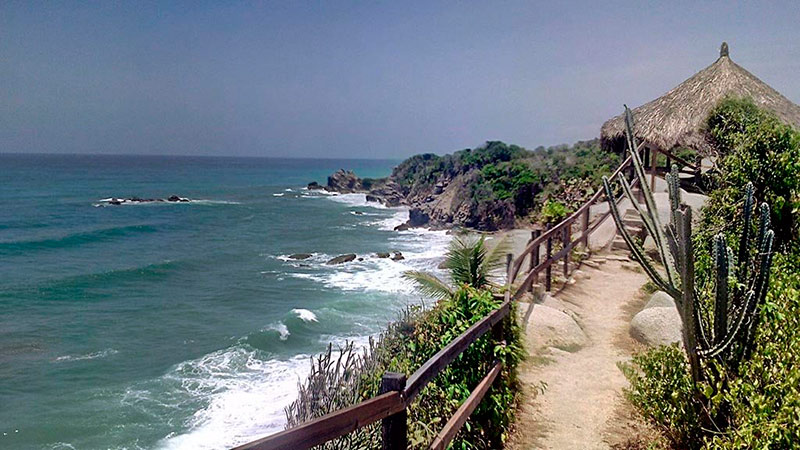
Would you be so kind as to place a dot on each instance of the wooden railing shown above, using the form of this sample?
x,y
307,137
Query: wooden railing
x,y
396,393
563,231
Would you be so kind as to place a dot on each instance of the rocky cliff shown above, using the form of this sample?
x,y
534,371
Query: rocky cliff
x,y
486,188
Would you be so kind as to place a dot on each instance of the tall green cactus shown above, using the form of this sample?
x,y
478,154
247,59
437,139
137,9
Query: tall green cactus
x,y
729,338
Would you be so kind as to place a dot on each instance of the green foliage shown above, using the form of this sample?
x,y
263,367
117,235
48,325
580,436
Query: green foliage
x,y
407,344
765,397
754,146
468,262
754,403
662,390
553,211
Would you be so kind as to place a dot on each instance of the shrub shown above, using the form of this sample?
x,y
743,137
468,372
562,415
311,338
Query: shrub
x,y
407,344
663,392
553,212
754,146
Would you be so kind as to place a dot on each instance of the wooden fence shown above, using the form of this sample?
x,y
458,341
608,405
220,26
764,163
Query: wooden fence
x,y
397,392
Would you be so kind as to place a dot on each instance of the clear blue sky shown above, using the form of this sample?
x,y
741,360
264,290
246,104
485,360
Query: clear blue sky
x,y
358,79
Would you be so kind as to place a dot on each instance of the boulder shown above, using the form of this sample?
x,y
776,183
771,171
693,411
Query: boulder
x,y
417,217
656,326
549,327
344,181
373,198
382,254
402,227
660,299
398,256
300,256
650,248
314,185
342,259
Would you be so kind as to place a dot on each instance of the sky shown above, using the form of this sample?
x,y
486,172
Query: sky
x,y
361,79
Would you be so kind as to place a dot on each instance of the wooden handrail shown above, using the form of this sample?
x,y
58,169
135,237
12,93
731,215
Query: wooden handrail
x,y
393,404
445,356
566,222
458,420
332,425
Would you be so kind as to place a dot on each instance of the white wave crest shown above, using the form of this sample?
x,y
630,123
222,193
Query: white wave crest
x,y
282,329
356,200
244,397
305,315
93,355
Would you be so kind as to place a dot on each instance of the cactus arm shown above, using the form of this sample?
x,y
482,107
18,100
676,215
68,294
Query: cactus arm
x,y
639,170
761,294
744,242
672,241
651,230
637,252
721,266
731,334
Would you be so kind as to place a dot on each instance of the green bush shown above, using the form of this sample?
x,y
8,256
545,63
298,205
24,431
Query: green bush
x,y
553,212
407,344
759,400
766,395
663,393
754,146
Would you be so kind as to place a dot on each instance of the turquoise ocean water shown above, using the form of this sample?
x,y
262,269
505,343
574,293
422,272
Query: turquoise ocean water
x,y
181,325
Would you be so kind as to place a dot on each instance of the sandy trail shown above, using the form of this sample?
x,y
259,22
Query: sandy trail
x,y
581,406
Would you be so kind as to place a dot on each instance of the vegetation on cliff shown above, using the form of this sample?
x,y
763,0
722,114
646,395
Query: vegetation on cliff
x,y
490,187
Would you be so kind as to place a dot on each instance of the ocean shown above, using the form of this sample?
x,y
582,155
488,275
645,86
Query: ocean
x,y
182,325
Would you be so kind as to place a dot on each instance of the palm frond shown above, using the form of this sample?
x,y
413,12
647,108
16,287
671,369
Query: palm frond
x,y
428,284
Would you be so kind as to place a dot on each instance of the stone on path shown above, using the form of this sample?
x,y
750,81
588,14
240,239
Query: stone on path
x,y
660,325
550,327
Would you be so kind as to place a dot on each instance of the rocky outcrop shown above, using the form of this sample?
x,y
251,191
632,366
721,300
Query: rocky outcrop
x,y
344,181
300,256
314,185
341,259
135,200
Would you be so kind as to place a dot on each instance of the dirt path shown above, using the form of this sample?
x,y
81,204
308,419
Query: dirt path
x,y
581,406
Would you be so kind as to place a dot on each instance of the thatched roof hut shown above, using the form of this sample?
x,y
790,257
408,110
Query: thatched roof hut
x,y
677,119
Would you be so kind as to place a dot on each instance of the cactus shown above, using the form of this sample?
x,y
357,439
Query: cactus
x,y
729,338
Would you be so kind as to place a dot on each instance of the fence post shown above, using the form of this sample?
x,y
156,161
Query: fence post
x,y
698,161
534,260
585,227
565,235
548,271
394,429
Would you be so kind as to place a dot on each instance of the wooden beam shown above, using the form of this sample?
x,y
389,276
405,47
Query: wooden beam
x,y
458,420
445,356
331,426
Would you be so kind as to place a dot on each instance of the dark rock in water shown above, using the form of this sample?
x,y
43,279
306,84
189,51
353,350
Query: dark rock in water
x,y
417,217
115,201
402,227
342,259
314,185
344,181
398,256
175,198
358,213
372,198
300,256
360,259
382,254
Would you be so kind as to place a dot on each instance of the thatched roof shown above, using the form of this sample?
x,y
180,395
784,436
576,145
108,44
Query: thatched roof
x,y
677,119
